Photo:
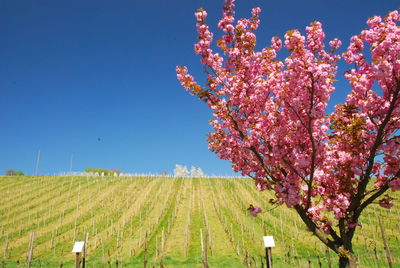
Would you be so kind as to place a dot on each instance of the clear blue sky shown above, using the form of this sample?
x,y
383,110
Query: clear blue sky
x,y
96,79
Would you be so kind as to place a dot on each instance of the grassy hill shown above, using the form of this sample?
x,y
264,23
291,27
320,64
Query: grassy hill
x,y
167,221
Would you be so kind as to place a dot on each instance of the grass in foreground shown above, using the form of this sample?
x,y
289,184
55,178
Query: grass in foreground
x,y
172,221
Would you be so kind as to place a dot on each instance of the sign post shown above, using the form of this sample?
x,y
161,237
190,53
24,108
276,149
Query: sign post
x,y
78,248
84,250
269,243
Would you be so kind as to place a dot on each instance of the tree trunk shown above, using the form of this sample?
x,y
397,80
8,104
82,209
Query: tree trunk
x,y
348,261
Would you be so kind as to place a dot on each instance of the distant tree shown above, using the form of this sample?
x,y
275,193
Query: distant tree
x,y
117,171
193,171
200,173
181,171
196,172
11,172
100,171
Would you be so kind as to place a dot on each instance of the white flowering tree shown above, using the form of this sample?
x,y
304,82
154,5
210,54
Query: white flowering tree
x,y
196,172
181,171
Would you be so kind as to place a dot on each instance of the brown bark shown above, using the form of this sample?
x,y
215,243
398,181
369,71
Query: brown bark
x,y
341,245
348,260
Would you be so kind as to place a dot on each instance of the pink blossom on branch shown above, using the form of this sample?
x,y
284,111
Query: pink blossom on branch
x,y
201,15
386,202
395,185
254,210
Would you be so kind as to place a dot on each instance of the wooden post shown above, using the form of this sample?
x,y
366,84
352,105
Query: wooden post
x,y
241,227
203,250
20,229
79,247
85,250
77,260
268,244
55,241
282,237
102,250
5,249
30,250
156,246
206,250
145,252
162,241
268,257
385,244
75,229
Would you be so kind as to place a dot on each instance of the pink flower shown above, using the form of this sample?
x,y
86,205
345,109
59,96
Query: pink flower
x,y
254,210
276,43
262,184
200,15
354,224
386,202
372,22
335,43
255,11
395,185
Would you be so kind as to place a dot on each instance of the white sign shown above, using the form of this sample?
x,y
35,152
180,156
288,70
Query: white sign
x,y
78,247
269,241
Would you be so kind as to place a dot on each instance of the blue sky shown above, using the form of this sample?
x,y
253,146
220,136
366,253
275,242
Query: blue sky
x,y
96,79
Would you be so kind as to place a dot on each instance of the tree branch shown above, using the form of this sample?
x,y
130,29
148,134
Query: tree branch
x,y
362,185
314,149
369,201
322,236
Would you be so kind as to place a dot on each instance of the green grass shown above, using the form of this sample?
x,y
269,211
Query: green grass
x,y
118,212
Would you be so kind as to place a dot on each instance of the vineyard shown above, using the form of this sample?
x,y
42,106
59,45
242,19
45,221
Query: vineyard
x,y
171,222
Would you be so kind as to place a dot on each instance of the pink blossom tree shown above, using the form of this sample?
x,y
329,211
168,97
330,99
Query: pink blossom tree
x,y
270,120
